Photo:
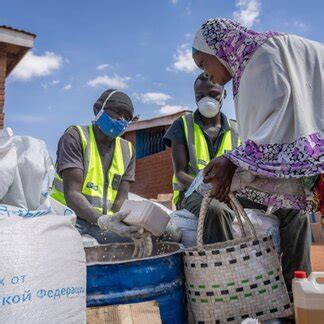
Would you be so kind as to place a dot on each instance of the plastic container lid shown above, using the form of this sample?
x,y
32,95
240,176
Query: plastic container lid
x,y
300,275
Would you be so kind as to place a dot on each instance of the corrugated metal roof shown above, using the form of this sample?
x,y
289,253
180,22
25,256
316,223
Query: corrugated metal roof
x,y
18,30
163,120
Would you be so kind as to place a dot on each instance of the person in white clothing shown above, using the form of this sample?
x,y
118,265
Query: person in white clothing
x,y
278,87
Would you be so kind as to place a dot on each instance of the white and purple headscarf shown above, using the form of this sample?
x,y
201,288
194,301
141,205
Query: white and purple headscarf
x,y
231,43
279,109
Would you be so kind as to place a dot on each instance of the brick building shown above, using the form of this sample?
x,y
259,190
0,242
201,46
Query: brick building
x,y
14,44
153,160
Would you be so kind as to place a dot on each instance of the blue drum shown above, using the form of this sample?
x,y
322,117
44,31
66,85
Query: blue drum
x,y
115,280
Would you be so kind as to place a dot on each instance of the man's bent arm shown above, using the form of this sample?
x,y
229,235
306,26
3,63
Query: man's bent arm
x,y
72,181
121,195
180,165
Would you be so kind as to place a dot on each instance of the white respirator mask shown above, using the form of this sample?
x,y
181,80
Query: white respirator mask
x,y
210,107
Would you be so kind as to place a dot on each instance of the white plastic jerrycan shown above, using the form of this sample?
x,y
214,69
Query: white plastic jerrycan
x,y
309,297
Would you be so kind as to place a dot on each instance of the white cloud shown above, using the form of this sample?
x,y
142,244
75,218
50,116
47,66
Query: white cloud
x,y
298,25
67,87
113,82
33,65
295,26
103,66
157,98
247,12
183,60
171,109
174,1
45,85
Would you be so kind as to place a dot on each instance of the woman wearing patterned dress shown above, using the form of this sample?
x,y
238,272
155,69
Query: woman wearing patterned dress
x,y
278,88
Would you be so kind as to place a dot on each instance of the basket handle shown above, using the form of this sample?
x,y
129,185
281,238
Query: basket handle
x,y
246,227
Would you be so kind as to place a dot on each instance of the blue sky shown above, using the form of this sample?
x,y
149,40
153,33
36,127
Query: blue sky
x,y
141,47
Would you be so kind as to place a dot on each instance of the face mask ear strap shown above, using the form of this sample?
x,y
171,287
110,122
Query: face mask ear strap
x,y
104,104
222,98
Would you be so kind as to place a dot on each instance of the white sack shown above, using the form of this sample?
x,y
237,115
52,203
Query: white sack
x,y
42,260
187,223
8,161
33,170
52,207
42,271
263,223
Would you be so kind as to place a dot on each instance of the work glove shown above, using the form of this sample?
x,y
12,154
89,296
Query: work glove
x,y
143,246
142,240
114,223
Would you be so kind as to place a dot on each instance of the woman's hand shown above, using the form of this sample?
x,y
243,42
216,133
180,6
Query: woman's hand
x,y
219,172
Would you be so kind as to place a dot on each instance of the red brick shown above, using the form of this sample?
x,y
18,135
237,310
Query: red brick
x,y
153,175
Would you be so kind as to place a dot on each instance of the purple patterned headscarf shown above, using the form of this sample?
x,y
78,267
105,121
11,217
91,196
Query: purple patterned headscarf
x,y
231,43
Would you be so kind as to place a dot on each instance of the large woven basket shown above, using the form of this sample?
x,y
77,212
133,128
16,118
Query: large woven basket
x,y
231,281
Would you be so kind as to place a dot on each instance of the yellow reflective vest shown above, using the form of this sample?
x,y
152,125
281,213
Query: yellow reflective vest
x,y
198,148
100,189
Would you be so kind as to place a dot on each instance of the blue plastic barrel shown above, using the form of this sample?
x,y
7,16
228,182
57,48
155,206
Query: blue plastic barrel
x,y
113,280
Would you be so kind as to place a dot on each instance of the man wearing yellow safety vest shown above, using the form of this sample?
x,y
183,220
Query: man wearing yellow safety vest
x,y
94,169
195,139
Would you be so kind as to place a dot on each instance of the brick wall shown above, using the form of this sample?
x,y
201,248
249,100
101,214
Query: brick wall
x,y
131,136
3,63
153,175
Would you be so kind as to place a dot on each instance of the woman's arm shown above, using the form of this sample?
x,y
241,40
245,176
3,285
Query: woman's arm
x,y
219,172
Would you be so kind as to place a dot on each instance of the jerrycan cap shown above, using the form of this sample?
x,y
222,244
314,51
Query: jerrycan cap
x,y
300,275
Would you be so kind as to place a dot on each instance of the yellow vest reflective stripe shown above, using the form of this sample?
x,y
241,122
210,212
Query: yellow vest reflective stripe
x,y
100,189
198,148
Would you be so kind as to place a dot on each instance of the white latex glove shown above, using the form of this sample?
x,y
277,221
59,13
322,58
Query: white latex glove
x,y
143,246
115,224
142,240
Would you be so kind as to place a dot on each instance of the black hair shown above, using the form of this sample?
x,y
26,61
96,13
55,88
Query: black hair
x,y
203,78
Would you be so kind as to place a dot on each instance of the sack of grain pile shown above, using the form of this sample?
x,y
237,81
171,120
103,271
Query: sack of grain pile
x,y
42,260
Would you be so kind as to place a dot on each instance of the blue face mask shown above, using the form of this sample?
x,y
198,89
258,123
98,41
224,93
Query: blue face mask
x,y
109,126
